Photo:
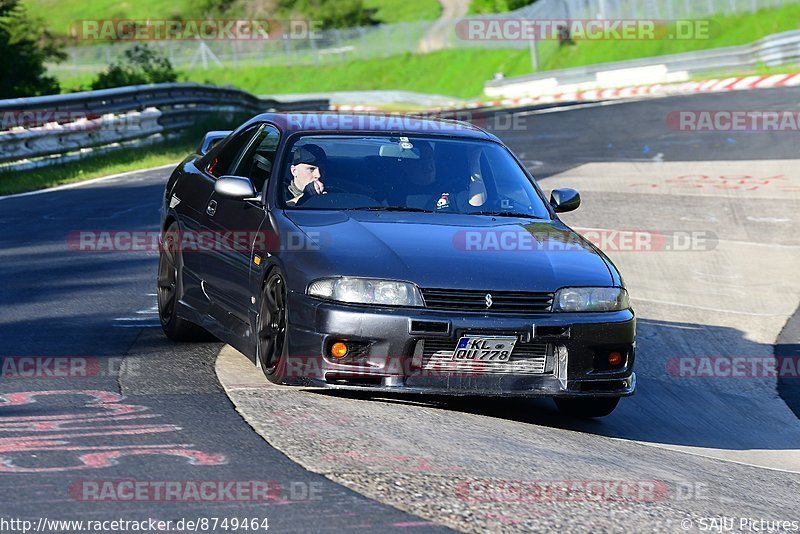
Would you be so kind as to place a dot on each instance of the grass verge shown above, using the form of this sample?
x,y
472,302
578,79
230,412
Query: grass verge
x,y
95,167
60,15
391,11
459,73
728,30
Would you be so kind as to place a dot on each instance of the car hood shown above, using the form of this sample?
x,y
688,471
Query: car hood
x,y
450,250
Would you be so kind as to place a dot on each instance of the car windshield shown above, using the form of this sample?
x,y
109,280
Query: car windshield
x,y
415,174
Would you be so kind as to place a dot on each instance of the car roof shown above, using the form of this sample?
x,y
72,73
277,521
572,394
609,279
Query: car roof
x,y
349,122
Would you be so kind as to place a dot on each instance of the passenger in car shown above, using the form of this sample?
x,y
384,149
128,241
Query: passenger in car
x,y
451,190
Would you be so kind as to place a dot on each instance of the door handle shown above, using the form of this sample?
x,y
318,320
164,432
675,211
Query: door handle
x,y
212,207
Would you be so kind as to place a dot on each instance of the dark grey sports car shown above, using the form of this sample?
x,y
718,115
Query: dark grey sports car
x,y
377,252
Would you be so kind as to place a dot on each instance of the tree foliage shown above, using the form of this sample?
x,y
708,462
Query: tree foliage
x,y
139,65
331,13
25,45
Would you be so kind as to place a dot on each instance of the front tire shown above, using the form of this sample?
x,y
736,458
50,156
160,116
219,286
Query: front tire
x,y
272,327
170,267
587,408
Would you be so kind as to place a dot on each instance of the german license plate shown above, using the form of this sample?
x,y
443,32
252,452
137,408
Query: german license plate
x,y
484,349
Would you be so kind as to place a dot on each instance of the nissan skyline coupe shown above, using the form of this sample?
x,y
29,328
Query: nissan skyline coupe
x,y
391,253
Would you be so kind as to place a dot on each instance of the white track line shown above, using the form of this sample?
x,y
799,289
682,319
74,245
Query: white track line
x,y
558,109
719,310
709,456
86,182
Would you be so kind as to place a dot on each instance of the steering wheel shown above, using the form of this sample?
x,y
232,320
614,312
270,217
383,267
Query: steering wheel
x,y
339,201
336,189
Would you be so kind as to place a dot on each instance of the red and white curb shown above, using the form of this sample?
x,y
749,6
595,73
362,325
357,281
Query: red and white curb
x,y
706,86
345,107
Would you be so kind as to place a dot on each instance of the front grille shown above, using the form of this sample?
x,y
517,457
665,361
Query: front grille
x,y
516,302
526,359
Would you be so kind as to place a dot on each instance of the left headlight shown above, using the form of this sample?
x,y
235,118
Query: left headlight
x,y
590,299
366,291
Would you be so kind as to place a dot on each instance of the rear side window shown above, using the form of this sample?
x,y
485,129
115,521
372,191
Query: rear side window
x,y
258,157
223,162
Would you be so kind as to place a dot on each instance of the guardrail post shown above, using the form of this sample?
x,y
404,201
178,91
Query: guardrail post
x,y
314,53
363,37
286,52
74,61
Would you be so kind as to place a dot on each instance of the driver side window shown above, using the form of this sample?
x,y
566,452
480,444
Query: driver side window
x,y
257,161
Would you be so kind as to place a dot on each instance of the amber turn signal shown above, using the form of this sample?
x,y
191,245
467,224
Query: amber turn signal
x,y
339,350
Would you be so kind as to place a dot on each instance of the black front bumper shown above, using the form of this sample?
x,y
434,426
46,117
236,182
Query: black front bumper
x,y
388,356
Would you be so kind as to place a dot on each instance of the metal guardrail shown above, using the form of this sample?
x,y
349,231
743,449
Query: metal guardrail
x,y
773,50
47,130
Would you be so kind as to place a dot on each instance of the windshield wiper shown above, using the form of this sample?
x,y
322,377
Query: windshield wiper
x,y
389,208
505,214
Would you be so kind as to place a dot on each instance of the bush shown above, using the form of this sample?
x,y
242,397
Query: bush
x,y
140,65
497,6
25,45
215,6
331,13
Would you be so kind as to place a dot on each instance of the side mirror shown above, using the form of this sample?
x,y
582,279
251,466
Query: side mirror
x,y
235,187
565,200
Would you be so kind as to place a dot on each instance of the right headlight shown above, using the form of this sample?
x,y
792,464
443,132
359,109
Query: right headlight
x,y
590,299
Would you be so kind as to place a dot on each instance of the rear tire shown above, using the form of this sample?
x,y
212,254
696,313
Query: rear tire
x,y
170,285
587,408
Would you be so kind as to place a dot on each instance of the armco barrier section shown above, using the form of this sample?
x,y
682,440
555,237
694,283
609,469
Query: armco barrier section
x,y
48,130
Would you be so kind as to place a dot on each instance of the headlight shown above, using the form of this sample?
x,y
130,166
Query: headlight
x,y
366,291
590,299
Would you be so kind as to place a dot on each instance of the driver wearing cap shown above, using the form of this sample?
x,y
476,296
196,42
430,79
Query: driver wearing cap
x,y
306,174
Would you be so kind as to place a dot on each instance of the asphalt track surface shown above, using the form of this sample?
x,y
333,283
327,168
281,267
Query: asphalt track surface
x,y
155,411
